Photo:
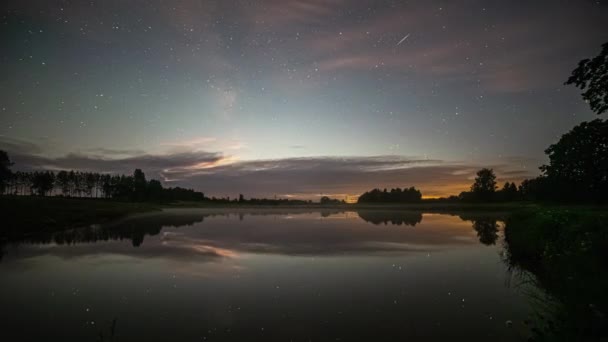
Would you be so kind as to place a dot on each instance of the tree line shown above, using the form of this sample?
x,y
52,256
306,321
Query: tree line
x,y
89,184
133,187
397,195
485,189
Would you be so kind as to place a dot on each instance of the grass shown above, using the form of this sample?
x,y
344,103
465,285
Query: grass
x,y
555,231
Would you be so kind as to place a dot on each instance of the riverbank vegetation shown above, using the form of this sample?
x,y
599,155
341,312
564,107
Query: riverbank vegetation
x,y
563,251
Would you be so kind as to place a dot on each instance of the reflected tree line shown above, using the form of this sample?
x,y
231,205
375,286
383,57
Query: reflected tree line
x,y
136,228
397,218
486,226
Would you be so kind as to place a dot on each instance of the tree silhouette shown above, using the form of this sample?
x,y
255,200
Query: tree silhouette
x,y
139,185
397,195
63,181
155,190
487,230
76,184
578,162
5,171
508,192
42,182
484,186
90,181
592,77
327,200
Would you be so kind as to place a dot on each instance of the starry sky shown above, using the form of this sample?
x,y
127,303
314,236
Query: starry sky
x,y
293,98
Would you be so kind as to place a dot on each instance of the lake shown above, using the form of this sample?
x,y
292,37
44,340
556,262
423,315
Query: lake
x,y
267,275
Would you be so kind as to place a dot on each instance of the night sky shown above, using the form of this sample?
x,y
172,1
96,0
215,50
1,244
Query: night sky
x,y
293,98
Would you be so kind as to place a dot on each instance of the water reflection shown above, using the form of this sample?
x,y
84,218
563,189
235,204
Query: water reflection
x,y
566,288
292,233
391,217
270,275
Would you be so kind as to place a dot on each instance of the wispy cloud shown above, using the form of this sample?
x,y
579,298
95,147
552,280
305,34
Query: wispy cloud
x,y
220,174
29,156
113,152
190,143
308,177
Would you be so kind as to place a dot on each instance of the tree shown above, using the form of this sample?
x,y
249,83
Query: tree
x,y
592,77
485,184
155,190
5,171
90,181
325,200
63,181
139,185
42,182
578,162
508,192
487,230
106,185
397,195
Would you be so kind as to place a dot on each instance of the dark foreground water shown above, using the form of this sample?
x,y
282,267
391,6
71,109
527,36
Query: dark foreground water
x,y
197,275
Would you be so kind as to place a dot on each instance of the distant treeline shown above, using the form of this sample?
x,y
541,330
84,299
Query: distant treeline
x,y
135,188
410,195
485,189
259,201
90,184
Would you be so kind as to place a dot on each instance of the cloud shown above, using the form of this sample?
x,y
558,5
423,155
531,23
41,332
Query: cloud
x,y
307,177
30,156
289,12
218,174
310,233
18,146
450,44
190,143
113,152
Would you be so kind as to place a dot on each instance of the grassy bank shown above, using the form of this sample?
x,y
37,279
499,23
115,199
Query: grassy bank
x,y
550,232
565,250
22,215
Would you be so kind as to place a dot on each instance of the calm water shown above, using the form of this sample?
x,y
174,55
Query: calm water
x,y
196,275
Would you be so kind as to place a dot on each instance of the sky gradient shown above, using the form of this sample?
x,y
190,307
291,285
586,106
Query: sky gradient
x,y
293,97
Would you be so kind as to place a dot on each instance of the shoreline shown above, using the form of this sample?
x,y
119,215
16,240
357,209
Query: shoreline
x,y
26,215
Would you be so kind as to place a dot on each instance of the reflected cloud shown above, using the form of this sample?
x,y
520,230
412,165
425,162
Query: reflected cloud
x,y
190,235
